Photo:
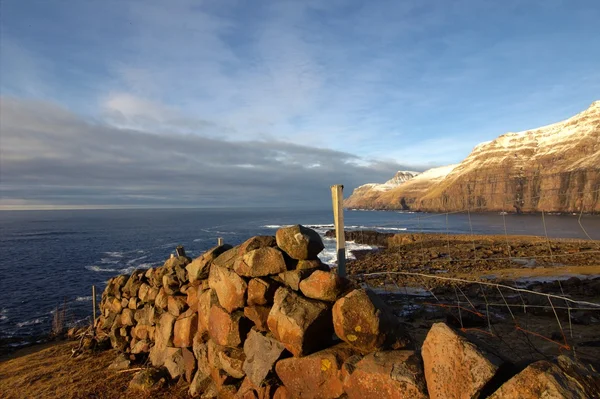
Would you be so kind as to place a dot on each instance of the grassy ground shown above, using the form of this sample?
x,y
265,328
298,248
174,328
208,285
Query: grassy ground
x,y
48,371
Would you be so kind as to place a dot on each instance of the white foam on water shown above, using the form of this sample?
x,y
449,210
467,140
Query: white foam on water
x,y
109,261
83,298
115,254
3,313
30,323
95,268
129,262
390,228
199,239
329,254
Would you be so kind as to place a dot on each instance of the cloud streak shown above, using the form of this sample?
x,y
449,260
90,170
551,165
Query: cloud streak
x,y
52,156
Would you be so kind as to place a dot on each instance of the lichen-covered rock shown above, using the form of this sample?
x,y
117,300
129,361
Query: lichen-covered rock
x,y
205,302
454,367
387,375
227,329
316,376
302,325
260,262
292,278
163,338
176,304
261,354
145,316
363,320
199,268
174,362
227,258
299,242
261,291
544,379
229,287
325,286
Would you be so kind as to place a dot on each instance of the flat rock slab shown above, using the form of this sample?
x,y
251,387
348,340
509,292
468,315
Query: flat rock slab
x,y
302,325
260,262
185,328
299,242
454,367
387,375
261,354
315,376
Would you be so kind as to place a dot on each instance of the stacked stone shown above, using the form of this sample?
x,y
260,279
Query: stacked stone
x,y
267,319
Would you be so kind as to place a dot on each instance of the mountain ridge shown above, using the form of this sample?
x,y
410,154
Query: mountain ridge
x,y
553,168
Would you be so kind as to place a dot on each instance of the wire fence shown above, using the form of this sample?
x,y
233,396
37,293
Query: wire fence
x,y
530,297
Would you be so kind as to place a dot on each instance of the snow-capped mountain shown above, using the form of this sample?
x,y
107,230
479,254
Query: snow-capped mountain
x,y
551,168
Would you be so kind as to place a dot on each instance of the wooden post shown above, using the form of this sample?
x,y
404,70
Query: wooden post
x,y
220,241
94,303
180,250
337,198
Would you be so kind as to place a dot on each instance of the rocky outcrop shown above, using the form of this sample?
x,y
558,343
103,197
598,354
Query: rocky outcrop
x,y
553,168
256,332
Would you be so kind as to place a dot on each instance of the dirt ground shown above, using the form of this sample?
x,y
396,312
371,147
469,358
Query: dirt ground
x,y
48,371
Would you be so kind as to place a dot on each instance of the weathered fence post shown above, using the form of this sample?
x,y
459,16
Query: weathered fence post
x,y
94,303
220,241
180,250
337,197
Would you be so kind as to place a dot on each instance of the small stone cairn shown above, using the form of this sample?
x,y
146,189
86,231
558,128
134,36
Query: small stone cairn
x,y
267,319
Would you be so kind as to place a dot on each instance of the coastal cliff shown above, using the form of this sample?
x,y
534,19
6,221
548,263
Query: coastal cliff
x,y
555,168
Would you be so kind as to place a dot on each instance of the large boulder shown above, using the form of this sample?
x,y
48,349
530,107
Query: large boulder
x,y
302,325
387,375
292,278
325,286
227,329
363,320
299,242
316,376
198,269
261,354
454,367
163,338
544,379
227,258
260,262
229,287
185,328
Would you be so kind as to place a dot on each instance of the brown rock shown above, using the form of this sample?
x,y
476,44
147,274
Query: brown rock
x,y
193,295
315,376
261,354
146,379
115,285
227,329
127,317
363,320
259,316
227,258
142,346
283,393
454,367
292,278
260,262
133,284
325,286
261,291
174,362
162,299
143,332
299,242
544,379
189,364
147,293
229,287
256,242
145,316
163,338
185,329
133,304
250,391
231,360
205,302
302,325
114,304
176,304
312,264
198,269
383,375
200,383
170,284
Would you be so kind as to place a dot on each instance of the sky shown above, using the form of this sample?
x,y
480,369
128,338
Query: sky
x,y
267,103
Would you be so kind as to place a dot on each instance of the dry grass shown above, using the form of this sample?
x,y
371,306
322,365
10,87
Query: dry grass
x,y
48,371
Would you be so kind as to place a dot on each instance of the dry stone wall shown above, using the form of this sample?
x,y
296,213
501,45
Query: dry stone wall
x,y
267,319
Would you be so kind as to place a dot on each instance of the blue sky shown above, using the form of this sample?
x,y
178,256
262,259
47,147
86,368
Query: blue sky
x,y
388,84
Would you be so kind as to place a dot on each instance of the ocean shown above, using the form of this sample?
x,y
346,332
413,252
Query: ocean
x,y
52,258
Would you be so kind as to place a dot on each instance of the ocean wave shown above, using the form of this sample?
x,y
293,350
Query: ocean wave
x,y
108,261
3,313
115,254
198,239
129,262
391,228
95,268
83,298
30,323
